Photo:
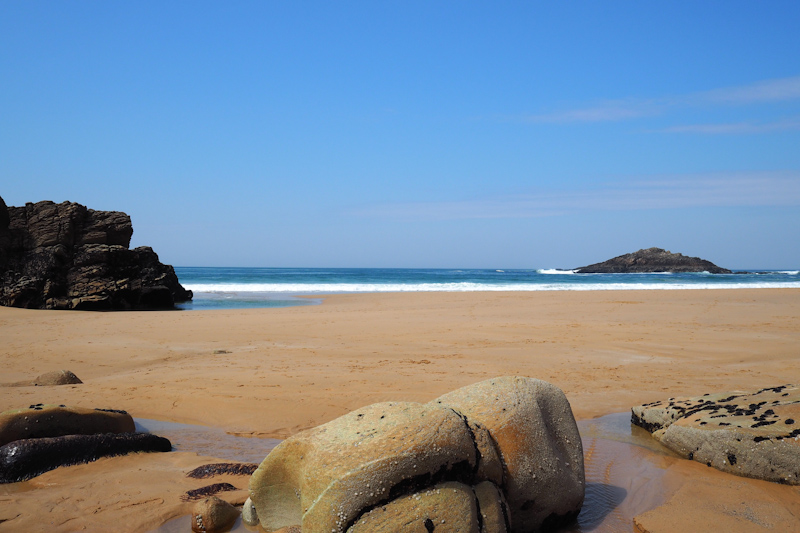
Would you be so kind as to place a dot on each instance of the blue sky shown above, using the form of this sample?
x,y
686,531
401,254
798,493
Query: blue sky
x,y
412,134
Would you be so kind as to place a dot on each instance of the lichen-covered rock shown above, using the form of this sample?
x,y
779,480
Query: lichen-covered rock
x,y
40,420
510,444
325,477
535,434
446,508
748,434
58,377
65,256
213,515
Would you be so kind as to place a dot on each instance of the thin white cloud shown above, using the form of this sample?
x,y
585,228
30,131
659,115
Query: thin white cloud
x,y
775,90
702,190
611,111
736,128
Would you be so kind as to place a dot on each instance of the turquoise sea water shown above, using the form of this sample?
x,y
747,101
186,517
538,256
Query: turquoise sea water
x,y
234,288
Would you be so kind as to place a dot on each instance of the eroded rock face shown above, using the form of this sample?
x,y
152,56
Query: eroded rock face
x,y
652,260
65,256
752,434
505,453
446,506
40,420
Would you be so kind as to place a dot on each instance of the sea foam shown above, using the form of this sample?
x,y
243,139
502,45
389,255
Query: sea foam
x,y
327,288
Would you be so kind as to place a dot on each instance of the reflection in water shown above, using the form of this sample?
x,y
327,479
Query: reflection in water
x,y
624,471
624,468
209,441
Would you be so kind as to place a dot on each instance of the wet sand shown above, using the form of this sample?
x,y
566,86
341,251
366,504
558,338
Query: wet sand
x,y
289,369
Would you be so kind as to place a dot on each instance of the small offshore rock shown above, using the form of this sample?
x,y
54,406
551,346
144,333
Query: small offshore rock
x,y
45,420
213,515
652,260
249,513
58,377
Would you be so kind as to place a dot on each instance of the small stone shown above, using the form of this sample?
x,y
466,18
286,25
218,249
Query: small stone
x,y
249,514
213,515
59,377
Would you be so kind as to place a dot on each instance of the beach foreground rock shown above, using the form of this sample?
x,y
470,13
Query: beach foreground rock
x,y
213,515
65,256
501,455
41,420
752,434
24,459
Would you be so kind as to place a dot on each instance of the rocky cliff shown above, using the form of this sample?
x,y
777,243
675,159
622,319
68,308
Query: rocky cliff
x,y
65,256
652,260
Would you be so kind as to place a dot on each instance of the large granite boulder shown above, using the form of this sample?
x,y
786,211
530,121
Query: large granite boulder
x,y
652,260
531,424
501,455
752,434
65,256
40,420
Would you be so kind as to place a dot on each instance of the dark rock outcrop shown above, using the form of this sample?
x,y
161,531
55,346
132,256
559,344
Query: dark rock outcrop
x,y
65,256
24,459
652,260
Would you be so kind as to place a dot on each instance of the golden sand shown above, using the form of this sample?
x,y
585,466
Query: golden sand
x,y
273,372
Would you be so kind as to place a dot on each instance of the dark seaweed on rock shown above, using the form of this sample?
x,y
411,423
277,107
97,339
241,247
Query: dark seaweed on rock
x,y
208,490
24,459
218,469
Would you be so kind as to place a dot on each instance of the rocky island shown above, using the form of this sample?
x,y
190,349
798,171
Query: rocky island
x,y
66,256
652,260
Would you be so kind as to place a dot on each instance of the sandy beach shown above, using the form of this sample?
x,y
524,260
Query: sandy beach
x,y
274,372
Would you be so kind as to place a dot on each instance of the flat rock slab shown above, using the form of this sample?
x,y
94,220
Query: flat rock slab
x,y
42,420
752,434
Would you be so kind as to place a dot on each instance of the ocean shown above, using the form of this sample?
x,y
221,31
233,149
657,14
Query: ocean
x,y
237,288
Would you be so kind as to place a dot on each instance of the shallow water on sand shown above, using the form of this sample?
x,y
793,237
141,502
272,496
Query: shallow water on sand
x,y
624,469
209,441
